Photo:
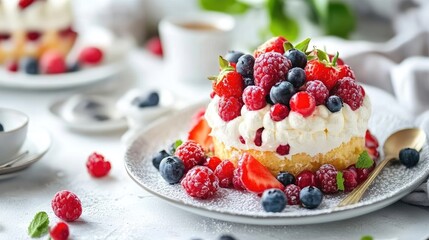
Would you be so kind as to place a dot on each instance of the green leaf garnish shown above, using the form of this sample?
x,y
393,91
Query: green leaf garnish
x,y
340,181
366,238
302,46
177,143
364,160
39,226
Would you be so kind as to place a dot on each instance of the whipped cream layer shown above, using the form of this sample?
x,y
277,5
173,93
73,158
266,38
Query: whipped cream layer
x,y
318,133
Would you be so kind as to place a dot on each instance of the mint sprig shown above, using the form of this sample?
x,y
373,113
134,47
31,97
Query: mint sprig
x,y
340,181
367,237
39,226
177,143
364,160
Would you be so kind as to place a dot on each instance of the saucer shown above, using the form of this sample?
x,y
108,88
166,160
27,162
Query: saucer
x,y
37,144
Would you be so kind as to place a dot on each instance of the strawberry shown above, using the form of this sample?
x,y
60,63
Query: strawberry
x,y
200,134
274,44
370,140
228,83
256,177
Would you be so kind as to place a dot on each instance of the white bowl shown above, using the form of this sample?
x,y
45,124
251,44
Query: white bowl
x,y
15,126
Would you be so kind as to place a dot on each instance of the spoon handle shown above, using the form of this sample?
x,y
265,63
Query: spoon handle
x,y
358,192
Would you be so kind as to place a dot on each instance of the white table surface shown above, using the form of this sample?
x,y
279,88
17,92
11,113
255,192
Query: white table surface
x,y
116,208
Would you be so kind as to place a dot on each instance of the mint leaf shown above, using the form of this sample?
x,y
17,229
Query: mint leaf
x,y
302,46
340,181
366,238
364,160
39,226
177,144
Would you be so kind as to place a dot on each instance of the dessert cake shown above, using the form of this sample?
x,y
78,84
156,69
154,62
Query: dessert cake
x,y
290,108
29,28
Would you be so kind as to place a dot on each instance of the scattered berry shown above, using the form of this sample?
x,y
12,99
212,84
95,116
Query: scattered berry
x,y
53,63
156,160
334,103
245,65
318,90
212,162
233,56
306,178
236,180
248,81
258,137
74,67
200,182
279,112
172,169
274,44
303,103
292,194
282,92
97,166
286,178
254,98
25,3
191,153
12,66
229,84
270,68
297,58
350,180
229,108
273,200
310,197
225,172
283,149
326,177
90,56
29,65
409,157
66,205
154,46
60,231
296,76
350,92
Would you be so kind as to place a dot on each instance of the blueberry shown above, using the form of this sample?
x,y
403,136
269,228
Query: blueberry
x,y
156,160
226,237
74,67
232,56
334,103
286,178
296,57
296,76
409,157
172,169
268,99
273,200
151,100
282,92
29,65
310,197
245,65
1,128
249,81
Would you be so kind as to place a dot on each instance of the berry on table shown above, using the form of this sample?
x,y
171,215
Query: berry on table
x,y
270,68
273,200
409,157
350,180
318,90
306,178
279,112
172,169
60,231
350,92
303,103
29,65
200,182
292,194
66,205
286,178
229,84
156,160
229,108
53,63
296,76
91,56
254,98
326,177
282,92
232,56
274,44
245,65
73,67
225,173
334,103
310,197
296,57
191,153
97,166
12,66
212,162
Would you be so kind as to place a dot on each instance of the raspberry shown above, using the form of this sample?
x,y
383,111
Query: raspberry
x,y
229,84
212,162
67,206
306,178
191,153
283,149
200,182
318,90
254,98
350,92
91,55
258,137
229,108
274,44
236,180
292,194
60,231
53,63
97,166
270,68
279,112
225,172
350,180
303,103
154,46
327,178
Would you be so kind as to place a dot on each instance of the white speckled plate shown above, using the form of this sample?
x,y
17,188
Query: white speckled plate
x,y
230,205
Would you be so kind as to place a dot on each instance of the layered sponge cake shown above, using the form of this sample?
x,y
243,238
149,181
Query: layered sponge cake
x,y
290,113
29,28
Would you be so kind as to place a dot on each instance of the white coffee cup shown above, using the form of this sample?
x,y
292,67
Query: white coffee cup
x,y
192,45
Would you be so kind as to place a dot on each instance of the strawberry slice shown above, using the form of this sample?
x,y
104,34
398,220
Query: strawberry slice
x,y
200,133
255,176
370,140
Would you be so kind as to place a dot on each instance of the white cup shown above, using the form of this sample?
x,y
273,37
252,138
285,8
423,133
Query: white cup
x,y
192,45
15,125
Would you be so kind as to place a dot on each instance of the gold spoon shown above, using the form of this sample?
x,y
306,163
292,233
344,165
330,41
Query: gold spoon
x,y
406,138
